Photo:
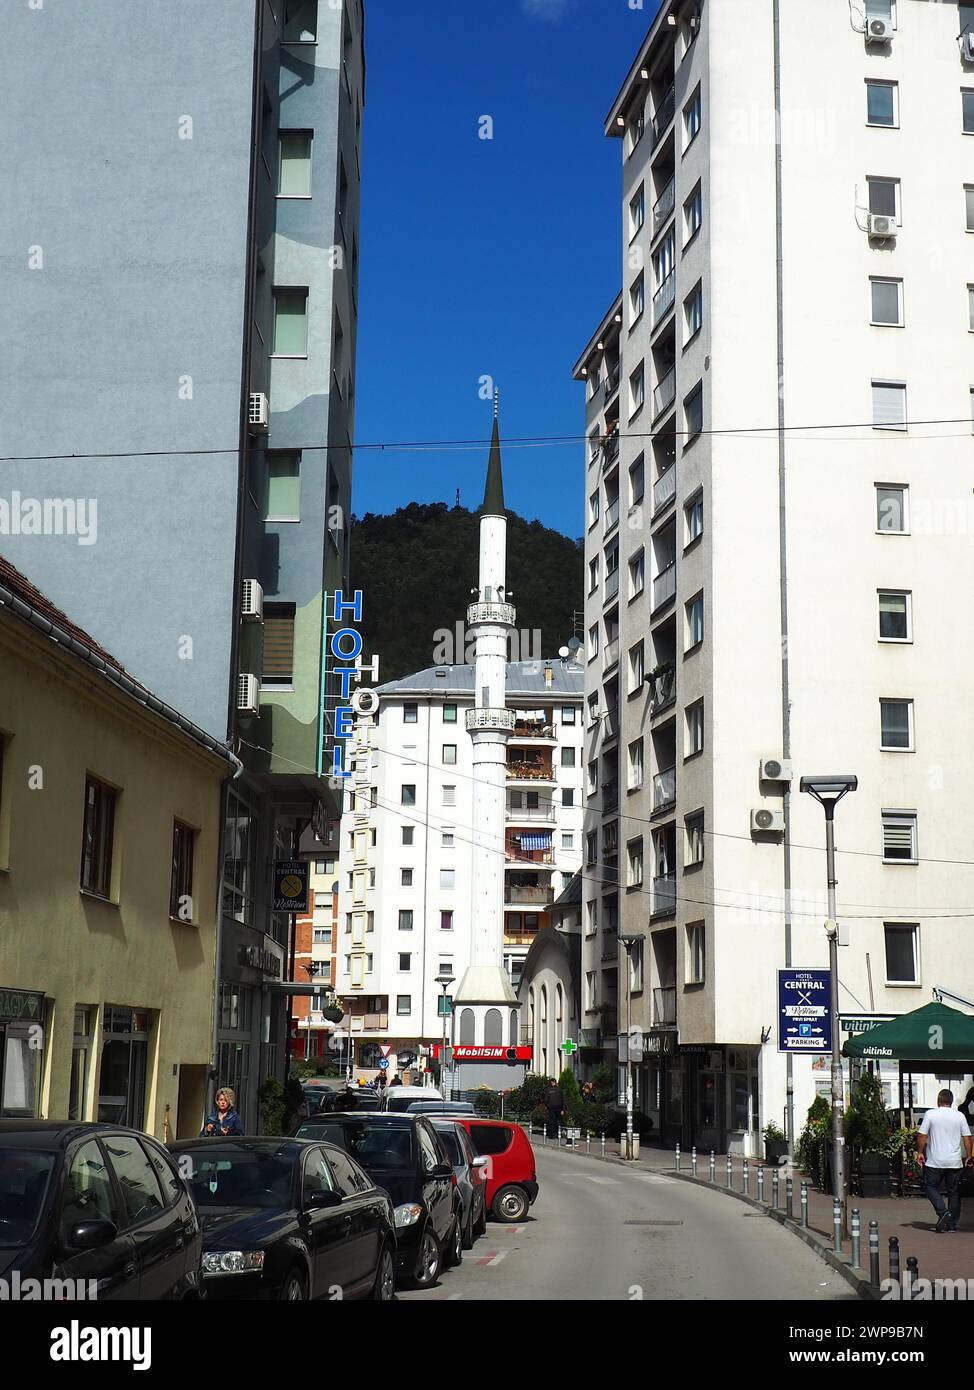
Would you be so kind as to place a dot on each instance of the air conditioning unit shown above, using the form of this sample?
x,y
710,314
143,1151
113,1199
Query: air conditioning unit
x,y
258,412
248,694
766,821
967,46
879,224
252,601
775,770
878,31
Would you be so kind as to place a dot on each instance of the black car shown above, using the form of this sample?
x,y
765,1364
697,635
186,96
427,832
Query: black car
x,y
404,1155
102,1206
285,1219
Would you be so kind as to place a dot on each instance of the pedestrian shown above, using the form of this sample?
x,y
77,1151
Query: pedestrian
x,y
554,1103
380,1082
944,1150
588,1093
396,1080
223,1119
966,1108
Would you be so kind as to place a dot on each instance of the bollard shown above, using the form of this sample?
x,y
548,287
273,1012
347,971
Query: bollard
x,y
774,1188
693,1160
730,1172
603,1146
874,1253
912,1274
677,1158
588,1142
713,1167
760,1183
544,1137
855,1229
894,1258
836,1226
790,1197
804,1205
746,1180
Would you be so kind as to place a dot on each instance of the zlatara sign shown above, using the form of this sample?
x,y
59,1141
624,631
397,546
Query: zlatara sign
x,y
345,645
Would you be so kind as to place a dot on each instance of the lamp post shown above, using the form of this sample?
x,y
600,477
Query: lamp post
x,y
444,982
630,943
828,792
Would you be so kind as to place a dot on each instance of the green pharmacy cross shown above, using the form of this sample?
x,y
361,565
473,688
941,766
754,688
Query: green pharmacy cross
x,y
568,1047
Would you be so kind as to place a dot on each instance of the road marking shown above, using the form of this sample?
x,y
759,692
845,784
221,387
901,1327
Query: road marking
x,y
590,1177
498,1257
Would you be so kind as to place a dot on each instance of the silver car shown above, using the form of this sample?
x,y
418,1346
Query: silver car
x,y
471,1178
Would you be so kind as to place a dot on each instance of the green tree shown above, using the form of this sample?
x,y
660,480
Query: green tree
x,y
867,1125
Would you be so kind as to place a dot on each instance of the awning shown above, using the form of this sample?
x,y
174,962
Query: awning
x,y
933,1033
540,841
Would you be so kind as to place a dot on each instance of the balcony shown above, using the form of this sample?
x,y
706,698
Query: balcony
x,y
664,585
519,938
612,382
527,729
611,654
610,946
665,393
664,895
610,450
664,297
516,855
611,515
664,1007
664,490
528,815
610,722
492,613
526,770
664,690
360,1023
610,797
515,896
664,789
612,580
664,206
489,719
663,116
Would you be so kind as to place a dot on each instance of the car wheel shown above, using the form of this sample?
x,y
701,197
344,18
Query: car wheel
x,y
293,1289
428,1264
454,1244
384,1288
468,1232
511,1204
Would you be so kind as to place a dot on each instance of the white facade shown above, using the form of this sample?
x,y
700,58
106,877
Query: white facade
x,y
754,565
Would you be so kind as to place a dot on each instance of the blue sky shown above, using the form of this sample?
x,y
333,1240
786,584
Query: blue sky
x,y
485,257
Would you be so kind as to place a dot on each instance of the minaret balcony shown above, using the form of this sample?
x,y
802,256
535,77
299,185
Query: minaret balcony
x,y
501,720
492,613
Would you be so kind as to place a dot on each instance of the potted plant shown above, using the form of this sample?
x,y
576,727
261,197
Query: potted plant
x,y
812,1150
775,1143
867,1132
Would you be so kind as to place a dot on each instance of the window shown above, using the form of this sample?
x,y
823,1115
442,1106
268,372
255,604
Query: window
x,y
568,840
694,832
637,126
449,796
300,21
902,953
636,668
970,308
591,917
637,298
593,574
637,574
693,518
969,202
694,718
891,508
637,389
405,919
887,302
882,103
637,482
449,754
694,620
593,642
449,714
693,411
568,714
889,405
410,714
277,667
899,837
447,839
692,215
291,322
896,724
568,757
404,1004
637,211
693,313
634,863
404,959
445,966
593,508
691,119
409,795
322,900
181,881
321,936
98,834
884,197
967,103
567,796
407,834
294,164
894,616
282,501
591,847
446,921
406,878
592,777
635,764
591,991
696,960
140,1190
448,879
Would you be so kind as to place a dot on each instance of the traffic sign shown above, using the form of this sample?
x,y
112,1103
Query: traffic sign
x,y
568,1047
383,1062
444,1005
804,1011
385,1048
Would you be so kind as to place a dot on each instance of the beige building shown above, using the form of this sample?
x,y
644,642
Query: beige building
x,y
110,809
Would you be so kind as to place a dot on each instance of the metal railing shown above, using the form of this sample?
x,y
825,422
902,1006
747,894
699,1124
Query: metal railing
x,y
545,811
610,946
610,796
664,788
664,1007
664,692
664,489
664,205
612,515
610,449
612,381
489,719
664,585
529,772
664,893
664,296
610,722
530,896
491,613
665,393
663,115
611,585
611,653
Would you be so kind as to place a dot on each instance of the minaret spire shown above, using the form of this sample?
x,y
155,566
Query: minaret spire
x,y
494,489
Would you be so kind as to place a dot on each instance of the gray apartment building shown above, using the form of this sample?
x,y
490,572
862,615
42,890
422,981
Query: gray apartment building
x,y
180,283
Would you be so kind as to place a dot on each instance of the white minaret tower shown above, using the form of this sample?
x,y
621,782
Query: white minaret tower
x,y
485,985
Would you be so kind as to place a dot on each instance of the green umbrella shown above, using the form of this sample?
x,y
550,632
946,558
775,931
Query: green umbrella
x,y
931,1033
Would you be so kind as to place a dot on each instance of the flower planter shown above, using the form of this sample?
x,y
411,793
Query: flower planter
x,y
775,1150
875,1175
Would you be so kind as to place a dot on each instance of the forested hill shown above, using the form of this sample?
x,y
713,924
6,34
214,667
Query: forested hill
x,y
416,569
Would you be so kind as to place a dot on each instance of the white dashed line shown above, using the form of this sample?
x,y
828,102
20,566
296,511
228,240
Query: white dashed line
x,y
497,1258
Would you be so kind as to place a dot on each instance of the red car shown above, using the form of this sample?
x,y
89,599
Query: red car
x,y
512,1181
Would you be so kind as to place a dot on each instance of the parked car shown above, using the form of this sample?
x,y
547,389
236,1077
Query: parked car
x,y
285,1219
471,1178
440,1107
398,1098
100,1204
404,1155
512,1178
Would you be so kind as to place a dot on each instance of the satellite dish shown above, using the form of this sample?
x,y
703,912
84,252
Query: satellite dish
x,y
563,651
574,644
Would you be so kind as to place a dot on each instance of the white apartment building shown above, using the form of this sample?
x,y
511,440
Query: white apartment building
x,y
419,882
779,573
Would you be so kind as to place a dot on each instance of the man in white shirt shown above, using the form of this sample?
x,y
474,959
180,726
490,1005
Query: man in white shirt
x,y
944,1150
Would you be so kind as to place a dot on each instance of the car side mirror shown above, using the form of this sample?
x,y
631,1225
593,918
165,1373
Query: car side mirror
x,y
481,1161
443,1170
324,1197
90,1235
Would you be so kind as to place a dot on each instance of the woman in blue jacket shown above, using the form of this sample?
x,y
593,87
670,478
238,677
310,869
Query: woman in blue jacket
x,y
224,1120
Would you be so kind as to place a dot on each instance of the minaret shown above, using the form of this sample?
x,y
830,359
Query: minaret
x,y
485,983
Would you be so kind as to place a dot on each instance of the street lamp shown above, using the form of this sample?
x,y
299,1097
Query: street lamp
x,y
828,792
444,982
630,943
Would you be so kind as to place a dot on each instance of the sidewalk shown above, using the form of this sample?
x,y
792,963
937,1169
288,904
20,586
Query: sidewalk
x,y
910,1219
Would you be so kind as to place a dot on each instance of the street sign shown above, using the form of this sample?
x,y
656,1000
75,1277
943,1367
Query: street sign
x,y
290,885
444,1005
467,1053
385,1048
383,1062
568,1047
804,1011
854,1024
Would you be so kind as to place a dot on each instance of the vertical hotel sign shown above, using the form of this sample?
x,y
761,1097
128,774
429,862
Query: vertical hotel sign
x,y
342,660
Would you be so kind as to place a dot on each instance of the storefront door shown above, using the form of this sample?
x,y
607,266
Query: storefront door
x,y
121,1077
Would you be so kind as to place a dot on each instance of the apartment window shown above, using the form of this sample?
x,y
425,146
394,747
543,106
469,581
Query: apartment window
x,y
449,754
895,616
567,796
902,953
448,879
635,764
449,714
181,880
405,957
407,834
884,197
693,518
634,863
300,21
406,878
896,724
637,389
694,833
891,508
291,322
568,714
970,308
591,991
446,921
445,966
98,833
405,919
694,718
322,936
593,574
568,757
637,573
449,796
282,500
637,211
637,481
322,900
408,797
887,302
593,642
321,866
637,126
693,412
404,1004
696,956
593,508
882,103
967,102
591,917
693,313
294,164
899,837
692,215
277,669
691,119
591,847
637,667
637,299
889,405
447,839
410,714
969,205
592,778
568,840
694,620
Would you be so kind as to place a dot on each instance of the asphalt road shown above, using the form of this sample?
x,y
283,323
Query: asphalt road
x,y
603,1232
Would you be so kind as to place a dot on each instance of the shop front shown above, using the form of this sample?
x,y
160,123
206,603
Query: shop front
x,y
709,1098
23,1033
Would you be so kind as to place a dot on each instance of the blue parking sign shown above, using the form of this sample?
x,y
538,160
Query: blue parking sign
x,y
804,1011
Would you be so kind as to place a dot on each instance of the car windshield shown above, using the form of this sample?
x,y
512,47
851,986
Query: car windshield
x,y
24,1178
380,1146
329,1130
228,1178
450,1142
404,1102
